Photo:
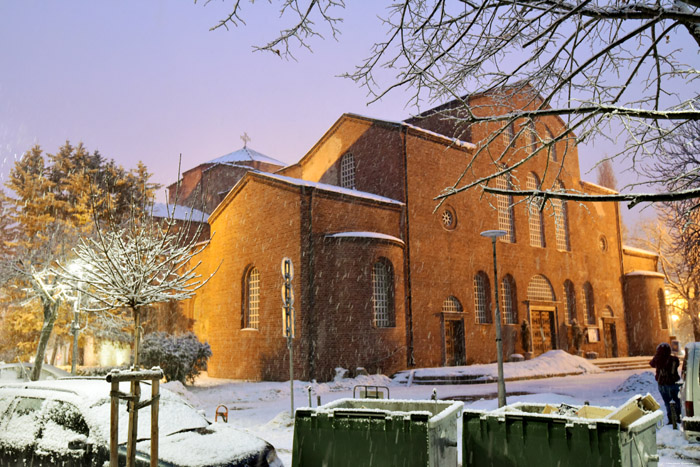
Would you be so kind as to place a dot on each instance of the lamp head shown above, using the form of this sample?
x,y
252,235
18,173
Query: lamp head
x,y
493,234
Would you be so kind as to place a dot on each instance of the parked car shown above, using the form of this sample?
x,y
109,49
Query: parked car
x,y
21,371
67,423
690,392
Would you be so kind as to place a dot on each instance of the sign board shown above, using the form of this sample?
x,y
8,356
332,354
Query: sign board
x,y
593,334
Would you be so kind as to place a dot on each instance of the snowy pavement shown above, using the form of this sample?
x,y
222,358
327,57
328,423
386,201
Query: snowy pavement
x,y
262,408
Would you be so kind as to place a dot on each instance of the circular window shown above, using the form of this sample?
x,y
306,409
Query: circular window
x,y
603,243
448,218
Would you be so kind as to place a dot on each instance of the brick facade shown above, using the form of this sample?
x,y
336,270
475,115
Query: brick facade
x,y
336,236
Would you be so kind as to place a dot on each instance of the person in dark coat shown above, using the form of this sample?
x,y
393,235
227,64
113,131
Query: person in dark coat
x,y
666,366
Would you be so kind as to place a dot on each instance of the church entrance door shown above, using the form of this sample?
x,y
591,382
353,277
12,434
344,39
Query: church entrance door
x,y
455,353
542,330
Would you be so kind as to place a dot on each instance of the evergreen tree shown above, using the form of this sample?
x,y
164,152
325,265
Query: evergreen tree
x,y
53,202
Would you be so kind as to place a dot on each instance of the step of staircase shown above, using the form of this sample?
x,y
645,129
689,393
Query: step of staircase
x,y
622,363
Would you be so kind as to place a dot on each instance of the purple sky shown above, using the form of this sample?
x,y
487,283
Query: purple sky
x,y
148,81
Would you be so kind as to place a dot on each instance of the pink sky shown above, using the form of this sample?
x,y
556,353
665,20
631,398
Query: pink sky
x,y
148,81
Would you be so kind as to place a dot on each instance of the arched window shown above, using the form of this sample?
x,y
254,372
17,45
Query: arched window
x,y
540,289
608,312
508,133
588,303
481,298
570,301
535,211
506,220
383,293
451,305
251,302
532,133
661,297
508,300
561,220
552,147
347,171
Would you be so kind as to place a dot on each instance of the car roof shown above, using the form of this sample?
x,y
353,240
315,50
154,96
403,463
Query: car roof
x,y
88,390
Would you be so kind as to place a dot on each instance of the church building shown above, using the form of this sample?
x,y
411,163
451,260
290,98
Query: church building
x,y
388,278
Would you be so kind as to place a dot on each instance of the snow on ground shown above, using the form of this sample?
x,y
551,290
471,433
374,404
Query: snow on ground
x,y
263,408
552,363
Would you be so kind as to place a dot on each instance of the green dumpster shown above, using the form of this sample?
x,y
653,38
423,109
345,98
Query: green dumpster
x,y
521,434
363,432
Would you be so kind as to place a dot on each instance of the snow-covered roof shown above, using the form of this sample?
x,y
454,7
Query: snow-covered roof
x,y
645,273
375,235
331,188
602,189
178,212
638,251
450,141
245,154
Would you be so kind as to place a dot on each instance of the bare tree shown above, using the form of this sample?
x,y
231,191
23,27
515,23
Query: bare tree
x,y
679,257
606,175
609,68
678,240
143,262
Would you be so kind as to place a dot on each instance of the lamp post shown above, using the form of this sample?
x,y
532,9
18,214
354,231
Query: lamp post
x,y
493,235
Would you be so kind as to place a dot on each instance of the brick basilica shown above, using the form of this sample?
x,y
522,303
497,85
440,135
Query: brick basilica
x,y
384,280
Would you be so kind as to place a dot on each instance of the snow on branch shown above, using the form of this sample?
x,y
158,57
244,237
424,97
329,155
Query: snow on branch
x,y
142,263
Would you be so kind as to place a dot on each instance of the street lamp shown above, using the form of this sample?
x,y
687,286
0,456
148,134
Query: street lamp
x,y
493,235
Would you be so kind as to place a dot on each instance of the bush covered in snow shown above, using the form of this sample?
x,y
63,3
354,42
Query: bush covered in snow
x,y
181,358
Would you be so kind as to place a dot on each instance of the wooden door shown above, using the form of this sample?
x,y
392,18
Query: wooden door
x,y
610,338
542,331
455,353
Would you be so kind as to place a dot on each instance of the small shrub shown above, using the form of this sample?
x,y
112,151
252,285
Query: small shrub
x,y
181,358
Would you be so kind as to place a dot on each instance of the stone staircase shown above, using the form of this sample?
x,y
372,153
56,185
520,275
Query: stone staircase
x,y
623,363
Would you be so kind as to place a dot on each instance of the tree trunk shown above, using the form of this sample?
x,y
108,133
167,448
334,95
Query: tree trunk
x,y
54,352
696,326
137,336
50,315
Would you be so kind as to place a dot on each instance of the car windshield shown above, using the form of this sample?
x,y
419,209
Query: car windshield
x,y
175,415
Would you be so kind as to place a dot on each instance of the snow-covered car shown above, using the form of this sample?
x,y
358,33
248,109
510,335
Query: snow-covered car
x,y
690,392
66,423
21,371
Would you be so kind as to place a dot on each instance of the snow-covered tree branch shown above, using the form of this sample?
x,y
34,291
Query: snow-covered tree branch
x,y
625,71
136,264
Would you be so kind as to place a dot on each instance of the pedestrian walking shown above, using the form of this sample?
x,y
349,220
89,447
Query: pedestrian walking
x,y
667,376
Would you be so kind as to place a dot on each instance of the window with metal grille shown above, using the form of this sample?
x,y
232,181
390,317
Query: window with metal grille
x,y
561,220
540,289
553,146
481,296
347,171
251,314
508,300
532,132
661,296
588,303
570,301
382,296
535,213
508,133
451,305
505,208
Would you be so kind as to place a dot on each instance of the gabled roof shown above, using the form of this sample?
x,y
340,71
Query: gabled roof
x,y
245,154
414,130
178,212
297,182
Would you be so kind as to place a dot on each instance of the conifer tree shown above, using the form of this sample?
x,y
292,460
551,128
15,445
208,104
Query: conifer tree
x,y
50,207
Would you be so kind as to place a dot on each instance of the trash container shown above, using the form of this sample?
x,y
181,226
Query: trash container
x,y
545,435
354,432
